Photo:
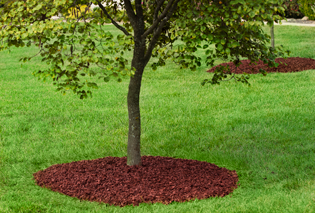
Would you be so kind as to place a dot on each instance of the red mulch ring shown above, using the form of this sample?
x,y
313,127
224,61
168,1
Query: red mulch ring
x,y
295,64
159,179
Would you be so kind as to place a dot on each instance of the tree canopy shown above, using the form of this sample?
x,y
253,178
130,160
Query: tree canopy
x,y
70,46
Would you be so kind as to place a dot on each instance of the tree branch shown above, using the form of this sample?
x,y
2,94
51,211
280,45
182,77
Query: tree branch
x,y
162,16
139,10
130,12
113,21
139,29
156,11
157,33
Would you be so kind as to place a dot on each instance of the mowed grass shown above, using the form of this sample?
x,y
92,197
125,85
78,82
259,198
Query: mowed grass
x,y
265,132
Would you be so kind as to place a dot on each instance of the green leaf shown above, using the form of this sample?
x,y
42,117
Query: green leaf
x,y
210,37
281,9
93,85
24,35
154,66
38,7
219,47
235,44
252,14
106,79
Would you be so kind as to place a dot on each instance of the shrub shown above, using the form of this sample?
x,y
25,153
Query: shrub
x,y
292,9
308,8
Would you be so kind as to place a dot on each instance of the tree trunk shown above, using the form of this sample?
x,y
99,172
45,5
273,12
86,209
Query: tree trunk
x,y
272,36
133,99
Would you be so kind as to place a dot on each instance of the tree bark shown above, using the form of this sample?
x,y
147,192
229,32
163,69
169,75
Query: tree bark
x,y
141,56
133,99
272,36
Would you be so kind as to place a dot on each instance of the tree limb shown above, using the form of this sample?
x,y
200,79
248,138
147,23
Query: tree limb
x,y
162,16
130,12
156,11
139,10
113,21
139,29
157,32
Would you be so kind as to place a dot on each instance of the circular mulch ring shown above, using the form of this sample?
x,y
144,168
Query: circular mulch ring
x,y
159,179
294,64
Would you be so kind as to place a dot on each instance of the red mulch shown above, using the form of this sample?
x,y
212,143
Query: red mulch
x,y
295,64
159,179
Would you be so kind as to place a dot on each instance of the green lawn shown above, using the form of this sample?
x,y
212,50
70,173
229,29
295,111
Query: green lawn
x,y
265,132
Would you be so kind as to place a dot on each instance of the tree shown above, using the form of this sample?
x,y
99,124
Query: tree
x,y
72,46
272,36
272,32
307,7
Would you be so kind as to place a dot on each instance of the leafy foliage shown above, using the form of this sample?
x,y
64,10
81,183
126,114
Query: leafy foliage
x,y
292,9
68,47
78,10
308,8
71,47
235,31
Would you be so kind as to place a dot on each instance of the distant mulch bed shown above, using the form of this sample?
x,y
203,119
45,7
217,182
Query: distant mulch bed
x,y
294,64
159,179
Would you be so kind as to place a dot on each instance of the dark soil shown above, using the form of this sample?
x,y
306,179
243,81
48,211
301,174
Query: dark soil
x,y
159,179
294,64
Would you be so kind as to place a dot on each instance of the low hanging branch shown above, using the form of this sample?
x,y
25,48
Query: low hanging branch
x,y
112,20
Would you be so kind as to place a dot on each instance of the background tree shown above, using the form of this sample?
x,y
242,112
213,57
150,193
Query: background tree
x,y
272,35
73,45
307,7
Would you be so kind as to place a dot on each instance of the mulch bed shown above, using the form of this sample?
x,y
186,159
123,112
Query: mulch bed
x,y
294,64
159,179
